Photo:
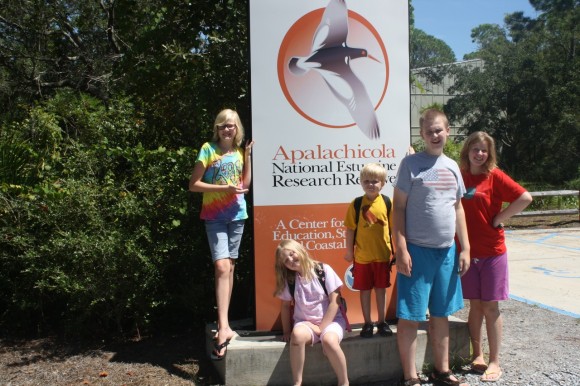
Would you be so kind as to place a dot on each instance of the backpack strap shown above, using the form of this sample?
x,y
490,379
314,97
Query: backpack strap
x,y
319,269
389,204
320,274
357,205
292,287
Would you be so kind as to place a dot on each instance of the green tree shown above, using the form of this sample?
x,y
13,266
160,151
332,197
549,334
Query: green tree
x,y
526,95
46,46
104,238
187,61
427,54
428,51
180,61
105,105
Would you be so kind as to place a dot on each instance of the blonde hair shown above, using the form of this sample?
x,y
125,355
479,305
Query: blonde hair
x,y
285,275
475,137
374,170
224,116
430,115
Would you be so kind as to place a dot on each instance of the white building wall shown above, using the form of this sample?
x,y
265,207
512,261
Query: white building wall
x,y
431,94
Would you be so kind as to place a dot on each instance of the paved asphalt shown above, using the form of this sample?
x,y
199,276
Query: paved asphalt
x,y
544,267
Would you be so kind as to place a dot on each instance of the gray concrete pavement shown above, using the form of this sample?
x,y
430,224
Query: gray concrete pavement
x,y
544,267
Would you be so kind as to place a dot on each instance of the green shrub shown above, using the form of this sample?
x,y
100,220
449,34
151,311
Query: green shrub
x,y
106,239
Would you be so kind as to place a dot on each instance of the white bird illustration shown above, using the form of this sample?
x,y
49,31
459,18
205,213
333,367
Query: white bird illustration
x,y
330,57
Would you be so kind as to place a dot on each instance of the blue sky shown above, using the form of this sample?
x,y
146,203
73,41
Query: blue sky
x,y
453,20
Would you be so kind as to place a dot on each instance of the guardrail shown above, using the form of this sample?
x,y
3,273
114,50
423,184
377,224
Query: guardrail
x,y
552,212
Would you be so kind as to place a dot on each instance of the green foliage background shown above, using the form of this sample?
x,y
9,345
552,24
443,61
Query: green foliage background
x,y
99,234
105,105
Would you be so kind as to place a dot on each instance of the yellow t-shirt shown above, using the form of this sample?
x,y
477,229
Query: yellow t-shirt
x,y
372,242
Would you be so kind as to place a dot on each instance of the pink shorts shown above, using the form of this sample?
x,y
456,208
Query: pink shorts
x,y
371,275
487,279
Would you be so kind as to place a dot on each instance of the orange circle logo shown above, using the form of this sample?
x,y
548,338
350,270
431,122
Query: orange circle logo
x,y
333,69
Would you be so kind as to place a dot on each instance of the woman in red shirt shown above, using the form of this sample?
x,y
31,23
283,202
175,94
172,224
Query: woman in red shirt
x,y
487,282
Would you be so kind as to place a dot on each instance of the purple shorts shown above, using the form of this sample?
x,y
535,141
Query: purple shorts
x,y
487,279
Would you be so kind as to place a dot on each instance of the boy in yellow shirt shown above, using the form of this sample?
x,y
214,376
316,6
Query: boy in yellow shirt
x,y
368,244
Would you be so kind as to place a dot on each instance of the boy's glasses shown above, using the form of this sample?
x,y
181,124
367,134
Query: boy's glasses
x,y
226,126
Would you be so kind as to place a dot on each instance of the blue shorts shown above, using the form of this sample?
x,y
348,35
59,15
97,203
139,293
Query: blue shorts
x,y
434,284
224,238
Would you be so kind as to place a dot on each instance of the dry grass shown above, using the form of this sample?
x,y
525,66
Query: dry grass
x,y
544,222
169,360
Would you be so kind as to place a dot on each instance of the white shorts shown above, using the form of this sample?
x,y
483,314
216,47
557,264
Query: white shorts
x,y
332,327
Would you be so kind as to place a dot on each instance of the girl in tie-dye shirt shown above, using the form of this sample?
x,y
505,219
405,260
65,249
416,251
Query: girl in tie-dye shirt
x,y
223,173
222,169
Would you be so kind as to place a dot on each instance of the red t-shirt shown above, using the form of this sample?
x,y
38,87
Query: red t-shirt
x,y
482,202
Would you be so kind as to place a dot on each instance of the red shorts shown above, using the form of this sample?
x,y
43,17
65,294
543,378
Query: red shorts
x,y
371,275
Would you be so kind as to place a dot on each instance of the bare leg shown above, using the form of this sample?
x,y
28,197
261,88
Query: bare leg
x,y
233,267
439,337
335,355
380,297
231,288
494,324
365,303
407,343
224,271
300,337
475,323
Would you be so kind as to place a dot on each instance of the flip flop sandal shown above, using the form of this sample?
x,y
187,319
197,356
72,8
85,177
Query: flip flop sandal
x,y
444,379
215,354
410,382
215,337
495,376
478,368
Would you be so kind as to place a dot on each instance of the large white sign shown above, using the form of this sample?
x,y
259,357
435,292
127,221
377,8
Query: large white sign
x,y
330,93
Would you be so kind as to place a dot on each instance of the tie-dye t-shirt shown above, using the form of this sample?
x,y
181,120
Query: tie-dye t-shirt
x,y
222,169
